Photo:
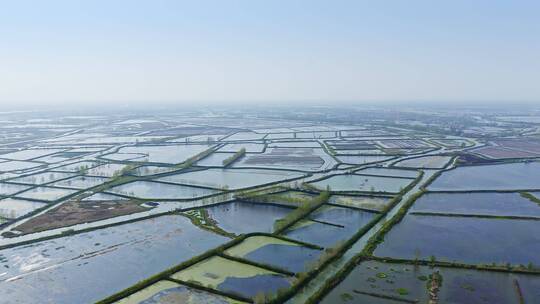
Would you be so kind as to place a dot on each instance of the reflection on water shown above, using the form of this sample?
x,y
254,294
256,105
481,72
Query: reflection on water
x,y
87,267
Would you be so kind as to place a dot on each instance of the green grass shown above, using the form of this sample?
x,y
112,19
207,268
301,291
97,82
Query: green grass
x,y
229,160
299,213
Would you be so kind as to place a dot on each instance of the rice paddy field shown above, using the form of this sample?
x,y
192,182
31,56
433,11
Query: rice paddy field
x,y
511,176
157,190
378,282
277,207
363,183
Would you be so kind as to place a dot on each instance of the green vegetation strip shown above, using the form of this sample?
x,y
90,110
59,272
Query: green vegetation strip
x,y
530,197
229,160
301,212
200,218
279,197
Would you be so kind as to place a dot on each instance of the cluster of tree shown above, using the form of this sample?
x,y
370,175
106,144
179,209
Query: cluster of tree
x,y
229,160
302,211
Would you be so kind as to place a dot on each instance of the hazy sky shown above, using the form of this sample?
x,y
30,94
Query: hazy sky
x,y
287,51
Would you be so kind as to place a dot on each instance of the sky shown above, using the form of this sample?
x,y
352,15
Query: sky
x,y
117,52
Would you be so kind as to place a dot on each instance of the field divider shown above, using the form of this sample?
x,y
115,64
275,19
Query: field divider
x,y
435,263
382,296
231,295
301,212
326,223
509,217
170,271
256,264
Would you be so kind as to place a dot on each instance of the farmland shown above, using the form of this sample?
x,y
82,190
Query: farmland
x,y
266,209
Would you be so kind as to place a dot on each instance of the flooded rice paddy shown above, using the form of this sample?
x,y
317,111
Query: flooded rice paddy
x,y
466,240
512,176
485,203
363,183
233,277
164,292
59,270
156,190
376,203
370,280
231,178
276,252
239,217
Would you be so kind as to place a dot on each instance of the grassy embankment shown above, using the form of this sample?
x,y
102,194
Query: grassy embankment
x,y
231,159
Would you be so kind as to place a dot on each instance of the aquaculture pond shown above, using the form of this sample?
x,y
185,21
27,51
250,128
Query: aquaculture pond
x,y
463,239
231,178
410,283
42,178
13,208
511,176
156,190
427,162
30,154
245,136
376,203
238,217
81,182
305,159
320,234
106,170
10,189
17,165
170,154
126,157
350,219
233,277
114,258
389,172
46,193
250,147
273,251
361,159
484,203
76,167
364,183
294,144
168,292
150,170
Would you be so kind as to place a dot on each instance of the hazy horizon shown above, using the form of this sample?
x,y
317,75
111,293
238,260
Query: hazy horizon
x,y
125,53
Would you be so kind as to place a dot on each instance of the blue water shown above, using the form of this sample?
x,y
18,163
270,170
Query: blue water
x,y
489,177
290,257
237,217
469,240
509,204
249,287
